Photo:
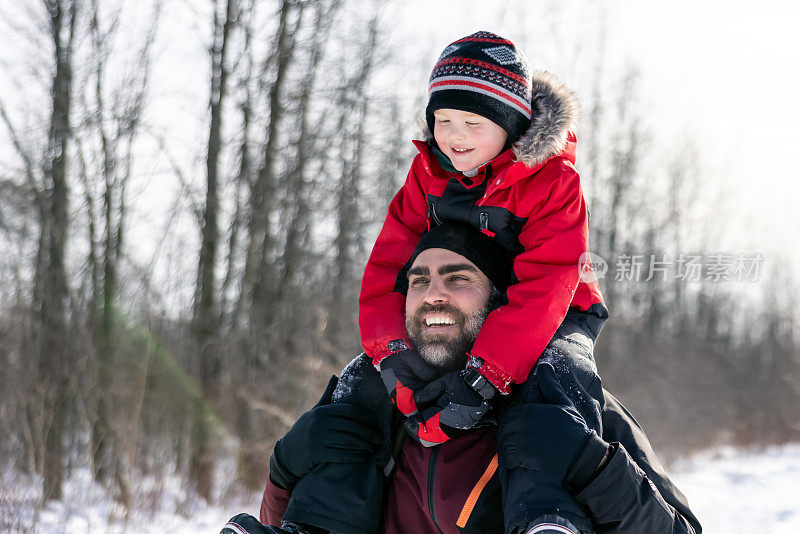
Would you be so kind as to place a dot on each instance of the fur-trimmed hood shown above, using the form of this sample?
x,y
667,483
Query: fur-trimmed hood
x,y
555,113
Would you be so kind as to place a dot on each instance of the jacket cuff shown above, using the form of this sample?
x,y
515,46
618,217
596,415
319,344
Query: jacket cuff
x,y
499,378
273,504
379,350
612,484
279,474
587,464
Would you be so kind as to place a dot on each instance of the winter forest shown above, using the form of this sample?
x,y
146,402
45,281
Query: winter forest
x,y
189,191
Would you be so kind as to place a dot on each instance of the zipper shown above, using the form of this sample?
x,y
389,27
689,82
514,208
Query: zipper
x,y
486,184
476,493
431,478
485,225
433,215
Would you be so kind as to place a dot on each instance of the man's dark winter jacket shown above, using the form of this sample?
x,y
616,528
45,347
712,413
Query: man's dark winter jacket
x,y
529,199
454,488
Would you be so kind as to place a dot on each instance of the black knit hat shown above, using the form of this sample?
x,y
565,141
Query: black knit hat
x,y
482,250
486,75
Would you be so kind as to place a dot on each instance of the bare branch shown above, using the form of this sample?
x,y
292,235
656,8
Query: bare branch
x,y
188,192
30,169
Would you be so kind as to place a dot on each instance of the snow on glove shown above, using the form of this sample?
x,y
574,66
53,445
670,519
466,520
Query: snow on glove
x,y
450,405
332,433
405,372
551,435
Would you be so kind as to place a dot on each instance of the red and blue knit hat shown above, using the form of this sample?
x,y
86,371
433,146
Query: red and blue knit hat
x,y
484,74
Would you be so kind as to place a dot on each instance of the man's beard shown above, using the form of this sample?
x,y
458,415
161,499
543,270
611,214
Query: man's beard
x,y
447,355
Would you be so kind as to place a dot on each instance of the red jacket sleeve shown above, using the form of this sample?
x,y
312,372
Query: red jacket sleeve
x,y
381,314
554,237
273,504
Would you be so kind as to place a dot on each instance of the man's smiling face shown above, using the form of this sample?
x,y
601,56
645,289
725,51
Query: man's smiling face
x,y
446,305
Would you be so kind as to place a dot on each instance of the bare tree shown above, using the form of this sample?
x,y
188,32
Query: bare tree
x,y
353,102
46,176
51,292
105,141
277,308
262,190
206,309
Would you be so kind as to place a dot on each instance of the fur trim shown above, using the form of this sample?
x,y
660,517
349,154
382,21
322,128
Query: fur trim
x,y
555,113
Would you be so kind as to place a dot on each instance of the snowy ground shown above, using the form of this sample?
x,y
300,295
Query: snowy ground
x,y
731,492
744,492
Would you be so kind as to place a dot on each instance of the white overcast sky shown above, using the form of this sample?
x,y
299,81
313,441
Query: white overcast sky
x,y
728,72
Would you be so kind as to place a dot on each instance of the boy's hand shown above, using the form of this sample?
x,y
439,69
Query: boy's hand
x,y
404,373
450,405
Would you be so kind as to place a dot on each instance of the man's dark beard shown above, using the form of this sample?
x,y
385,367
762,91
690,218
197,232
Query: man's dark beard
x,y
447,355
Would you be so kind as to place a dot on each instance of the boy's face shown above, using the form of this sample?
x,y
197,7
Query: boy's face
x,y
469,140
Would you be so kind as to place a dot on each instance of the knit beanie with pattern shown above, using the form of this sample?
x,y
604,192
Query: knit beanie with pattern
x,y
484,74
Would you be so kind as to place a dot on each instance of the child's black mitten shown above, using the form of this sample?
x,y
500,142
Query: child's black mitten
x,y
450,405
404,373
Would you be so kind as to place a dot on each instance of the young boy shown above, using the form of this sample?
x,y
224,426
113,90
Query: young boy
x,y
499,156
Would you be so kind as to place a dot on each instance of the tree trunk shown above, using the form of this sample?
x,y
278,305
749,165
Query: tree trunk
x,y
54,352
346,244
206,311
111,129
262,193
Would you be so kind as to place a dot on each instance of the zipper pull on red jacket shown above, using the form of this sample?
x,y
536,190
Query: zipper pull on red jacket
x,y
485,224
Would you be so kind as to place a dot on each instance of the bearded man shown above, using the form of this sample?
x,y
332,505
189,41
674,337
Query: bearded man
x,y
349,466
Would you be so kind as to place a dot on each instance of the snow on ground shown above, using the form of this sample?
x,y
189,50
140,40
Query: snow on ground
x,y
160,504
731,491
734,491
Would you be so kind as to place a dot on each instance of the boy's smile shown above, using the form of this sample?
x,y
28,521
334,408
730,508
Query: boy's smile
x,y
468,139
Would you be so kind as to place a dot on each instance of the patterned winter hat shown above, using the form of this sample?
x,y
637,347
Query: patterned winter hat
x,y
483,74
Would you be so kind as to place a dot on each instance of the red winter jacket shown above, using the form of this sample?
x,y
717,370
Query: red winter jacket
x,y
530,201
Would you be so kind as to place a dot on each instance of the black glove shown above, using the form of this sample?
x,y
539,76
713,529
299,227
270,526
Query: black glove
x,y
450,405
247,524
550,436
404,373
332,433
